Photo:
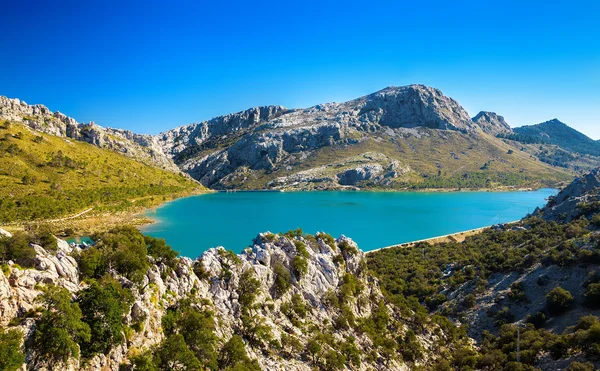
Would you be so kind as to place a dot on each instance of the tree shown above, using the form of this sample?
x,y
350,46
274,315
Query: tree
x,y
592,295
41,234
104,307
282,278
143,362
60,328
11,356
234,357
247,290
174,354
17,248
122,249
558,300
163,253
198,329
313,347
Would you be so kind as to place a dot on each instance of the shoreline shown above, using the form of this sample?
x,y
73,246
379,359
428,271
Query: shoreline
x,y
451,237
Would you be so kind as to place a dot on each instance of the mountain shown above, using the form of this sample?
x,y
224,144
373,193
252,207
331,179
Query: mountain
x,y
399,137
410,137
492,123
558,133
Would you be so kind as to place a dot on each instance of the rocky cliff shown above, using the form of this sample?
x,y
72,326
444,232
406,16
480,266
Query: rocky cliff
x,y
334,269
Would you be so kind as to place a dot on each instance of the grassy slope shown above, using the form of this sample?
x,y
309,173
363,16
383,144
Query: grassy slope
x,y
431,152
96,177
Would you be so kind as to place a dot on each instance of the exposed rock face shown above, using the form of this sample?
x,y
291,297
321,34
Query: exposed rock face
x,y
564,207
38,117
492,123
163,286
228,151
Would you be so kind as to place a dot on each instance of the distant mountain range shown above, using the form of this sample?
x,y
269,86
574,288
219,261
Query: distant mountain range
x,y
409,137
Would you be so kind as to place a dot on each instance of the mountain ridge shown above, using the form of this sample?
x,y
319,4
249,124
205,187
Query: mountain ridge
x,y
398,137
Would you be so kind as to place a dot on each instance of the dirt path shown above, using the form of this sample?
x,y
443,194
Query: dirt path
x,y
70,217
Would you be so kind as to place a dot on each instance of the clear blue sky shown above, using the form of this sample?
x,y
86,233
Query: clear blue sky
x,y
149,66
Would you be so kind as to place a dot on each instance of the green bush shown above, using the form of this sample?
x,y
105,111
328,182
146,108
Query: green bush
x,y
104,306
11,356
122,249
299,266
17,249
233,356
174,354
60,328
159,250
282,279
592,295
559,300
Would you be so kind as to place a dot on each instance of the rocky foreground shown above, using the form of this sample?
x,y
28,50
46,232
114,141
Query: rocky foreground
x,y
333,270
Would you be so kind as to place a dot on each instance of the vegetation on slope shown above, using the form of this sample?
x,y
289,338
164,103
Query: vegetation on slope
x,y
451,279
436,160
44,176
560,134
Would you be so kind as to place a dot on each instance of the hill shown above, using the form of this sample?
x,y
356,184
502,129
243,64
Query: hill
x,y
560,134
45,176
397,138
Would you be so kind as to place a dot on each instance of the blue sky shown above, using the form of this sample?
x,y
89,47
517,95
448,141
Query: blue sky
x,y
149,66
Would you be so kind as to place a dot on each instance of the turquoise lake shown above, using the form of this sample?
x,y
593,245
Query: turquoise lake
x,y
373,219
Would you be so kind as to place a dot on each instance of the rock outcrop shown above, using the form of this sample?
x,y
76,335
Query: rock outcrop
x,y
492,123
328,264
565,205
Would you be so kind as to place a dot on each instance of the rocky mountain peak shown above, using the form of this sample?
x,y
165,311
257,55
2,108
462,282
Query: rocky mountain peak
x,y
416,106
491,123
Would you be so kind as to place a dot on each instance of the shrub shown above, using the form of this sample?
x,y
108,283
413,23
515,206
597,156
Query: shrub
x,y
347,249
538,319
17,248
122,248
282,279
103,308
469,301
248,289
11,357
299,266
234,357
592,295
579,366
41,234
60,327
327,238
174,354
163,253
559,300
517,292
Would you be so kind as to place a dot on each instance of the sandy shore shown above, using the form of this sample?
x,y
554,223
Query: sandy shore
x,y
452,237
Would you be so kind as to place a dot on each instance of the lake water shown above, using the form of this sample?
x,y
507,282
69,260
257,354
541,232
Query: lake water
x,y
373,219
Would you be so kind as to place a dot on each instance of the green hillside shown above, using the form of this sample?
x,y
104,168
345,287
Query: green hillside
x,y
558,133
44,176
